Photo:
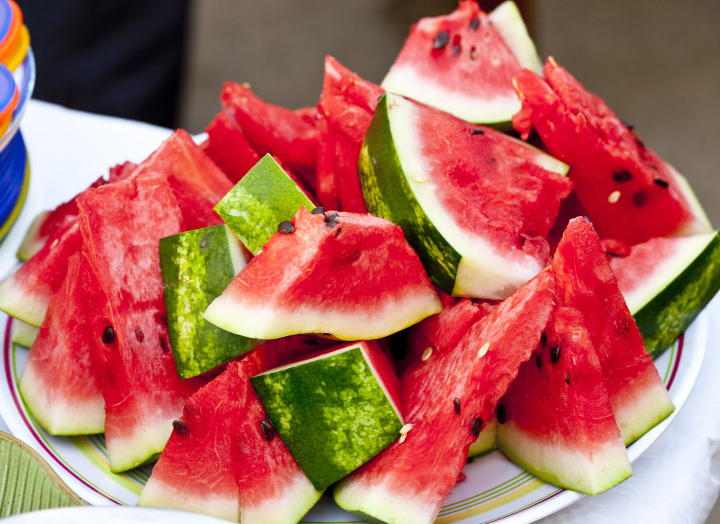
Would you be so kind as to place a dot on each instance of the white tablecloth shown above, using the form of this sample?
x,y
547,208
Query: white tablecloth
x,y
676,481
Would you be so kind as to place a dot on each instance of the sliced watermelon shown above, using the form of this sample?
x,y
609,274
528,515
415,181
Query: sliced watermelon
x,y
121,171
23,334
321,275
58,383
121,225
408,482
618,180
347,103
273,129
199,467
228,147
196,182
585,282
476,205
666,282
463,63
557,422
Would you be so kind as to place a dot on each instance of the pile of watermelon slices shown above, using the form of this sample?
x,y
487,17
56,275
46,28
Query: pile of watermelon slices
x,y
405,282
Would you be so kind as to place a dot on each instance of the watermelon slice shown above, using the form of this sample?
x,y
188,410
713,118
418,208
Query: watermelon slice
x,y
463,63
585,282
273,129
23,334
121,225
320,275
557,421
666,282
58,383
347,102
202,462
476,205
355,389
228,148
408,482
196,182
617,179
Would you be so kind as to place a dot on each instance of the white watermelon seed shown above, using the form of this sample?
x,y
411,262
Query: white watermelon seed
x,y
483,350
405,429
614,197
426,354
54,243
402,438
420,178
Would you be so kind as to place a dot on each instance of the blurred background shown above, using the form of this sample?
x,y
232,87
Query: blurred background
x,y
656,63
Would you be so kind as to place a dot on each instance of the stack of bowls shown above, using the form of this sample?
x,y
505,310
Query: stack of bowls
x,y
17,78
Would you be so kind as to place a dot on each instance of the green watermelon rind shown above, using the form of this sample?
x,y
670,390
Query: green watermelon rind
x,y
512,441
509,23
31,242
332,412
678,296
197,266
486,441
391,174
22,333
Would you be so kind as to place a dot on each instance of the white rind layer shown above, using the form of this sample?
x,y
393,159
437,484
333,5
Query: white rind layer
x,y
483,272
288,507
18,303
666,270
143,445
272,320
23,333
404,80
57,415
586,471
159,495
486,441
542,159
380,503
31,244
238,255
641,408
701,224
509,23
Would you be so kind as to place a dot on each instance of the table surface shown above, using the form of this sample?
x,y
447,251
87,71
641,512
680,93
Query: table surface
x,y
675,481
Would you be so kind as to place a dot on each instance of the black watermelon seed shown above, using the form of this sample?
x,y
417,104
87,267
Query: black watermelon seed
x,y
108,336
268,430
555,354
661,183
567,378
653,166
333,223
286,227
318,211
456,403
474,24
622,176
476,426
639,142
538,361
501,414
139,335
475,132
628,126
456,50
639,198
331,216
441,40
181,428
469,460
162,344
543,338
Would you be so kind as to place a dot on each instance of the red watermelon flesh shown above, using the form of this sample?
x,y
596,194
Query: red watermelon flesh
x,y
408,481
558,423
458,63
199,467
586,282
617,179
121,225
58,383
197,183
348,103
324,277
273,129
121,171
228,147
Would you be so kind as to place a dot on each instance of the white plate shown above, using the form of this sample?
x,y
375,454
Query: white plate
x,y
495,489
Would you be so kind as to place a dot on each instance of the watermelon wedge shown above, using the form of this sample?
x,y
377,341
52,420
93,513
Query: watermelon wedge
x,y
273,129
228,148
617,179
347,103
319,274
557,420
585,282
463,63
58,383
196,182
666,282
121,225
23,334
408,482
476,205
